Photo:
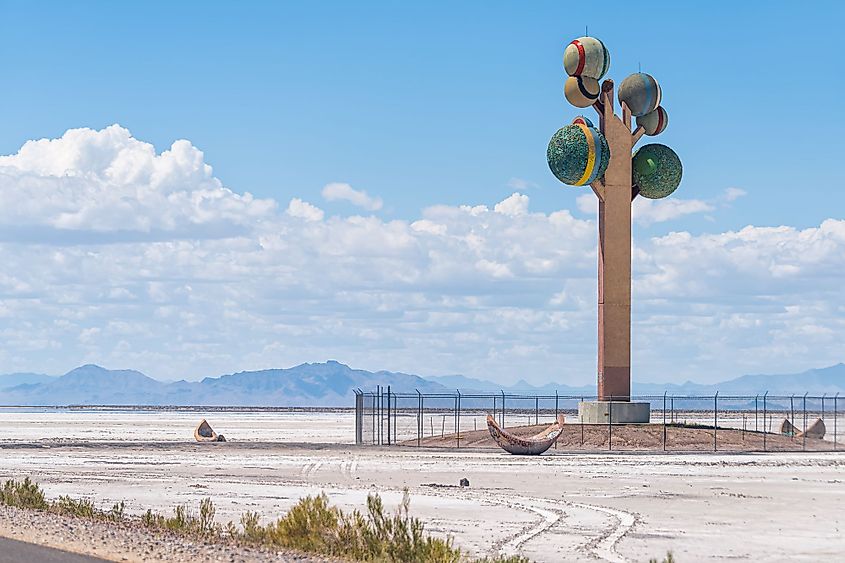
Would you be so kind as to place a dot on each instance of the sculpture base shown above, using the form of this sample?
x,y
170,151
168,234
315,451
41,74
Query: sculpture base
x,y
621,412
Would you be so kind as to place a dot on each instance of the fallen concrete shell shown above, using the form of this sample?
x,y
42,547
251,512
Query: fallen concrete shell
x,y
534,445
816,430
204,433
787,428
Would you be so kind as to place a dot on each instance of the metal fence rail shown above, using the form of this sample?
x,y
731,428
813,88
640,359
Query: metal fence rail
x,y
732,422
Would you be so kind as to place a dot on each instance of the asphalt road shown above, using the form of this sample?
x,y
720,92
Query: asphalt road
x,y
13,551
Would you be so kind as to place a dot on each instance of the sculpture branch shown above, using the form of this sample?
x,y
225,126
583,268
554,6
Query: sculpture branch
x,y
626,115
598,188
638,133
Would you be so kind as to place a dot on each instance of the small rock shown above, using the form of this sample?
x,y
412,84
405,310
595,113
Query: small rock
x,y
464,482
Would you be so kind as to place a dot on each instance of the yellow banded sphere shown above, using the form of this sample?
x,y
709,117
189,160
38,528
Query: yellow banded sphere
x,y
578,154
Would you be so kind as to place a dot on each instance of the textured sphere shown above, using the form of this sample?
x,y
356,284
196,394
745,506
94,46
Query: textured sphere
x,y
586,56
657,170
581,91
578,154
641,92
654,122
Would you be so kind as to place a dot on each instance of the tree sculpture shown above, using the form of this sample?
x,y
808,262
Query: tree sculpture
x,y
580,154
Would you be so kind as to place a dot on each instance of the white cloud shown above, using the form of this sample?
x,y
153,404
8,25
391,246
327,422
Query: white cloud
x,y
304,210
344,192
732,194
486,292
514,205
587,203
107,180
647,211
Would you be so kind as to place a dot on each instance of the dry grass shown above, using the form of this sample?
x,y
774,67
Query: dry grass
x,y
311,526
316,527
23,494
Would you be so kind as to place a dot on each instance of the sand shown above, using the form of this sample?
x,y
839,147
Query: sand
x,y
565,506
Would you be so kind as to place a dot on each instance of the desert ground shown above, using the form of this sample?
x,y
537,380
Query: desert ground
x,y
562,506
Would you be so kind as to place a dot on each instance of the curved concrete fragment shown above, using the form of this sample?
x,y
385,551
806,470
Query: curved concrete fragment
x,y
534,445
204,433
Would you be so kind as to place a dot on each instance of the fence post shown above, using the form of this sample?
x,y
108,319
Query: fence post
x,y
664,421
756,426
581,418
388,415
672,402
536,409
373,417
804,433
792,415
419,416
378,416
359,417
357,426
715,418
503,409
556,411
458,420
766,394
823,397
835,415
494,406
610,424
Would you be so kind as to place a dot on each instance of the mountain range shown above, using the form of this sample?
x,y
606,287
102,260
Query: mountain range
x,y
333,384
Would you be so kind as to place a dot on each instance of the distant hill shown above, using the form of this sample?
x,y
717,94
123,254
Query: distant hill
x,y
333,384
326,384
14,379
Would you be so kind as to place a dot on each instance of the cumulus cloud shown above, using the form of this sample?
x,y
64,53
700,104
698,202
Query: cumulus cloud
x,y
109,181
649,211
516,204
304,210
344,192
486,289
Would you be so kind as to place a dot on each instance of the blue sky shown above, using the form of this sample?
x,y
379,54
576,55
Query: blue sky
x,y
423,105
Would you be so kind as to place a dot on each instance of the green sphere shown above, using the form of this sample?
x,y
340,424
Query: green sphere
x,y
578,154
657,170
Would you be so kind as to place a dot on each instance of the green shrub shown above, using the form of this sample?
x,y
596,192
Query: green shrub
x,y
314,526
116,512
184,521
83,508
23,494
253,530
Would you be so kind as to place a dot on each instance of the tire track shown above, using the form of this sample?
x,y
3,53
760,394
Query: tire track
x,y
605,546
549,514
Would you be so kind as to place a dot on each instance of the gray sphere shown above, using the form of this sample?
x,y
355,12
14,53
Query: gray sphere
x,y
641,92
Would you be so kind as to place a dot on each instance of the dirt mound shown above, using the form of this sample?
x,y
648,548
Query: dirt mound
x,y
637,437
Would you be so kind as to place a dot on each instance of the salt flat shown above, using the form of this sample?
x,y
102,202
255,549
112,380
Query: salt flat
x,y
558,507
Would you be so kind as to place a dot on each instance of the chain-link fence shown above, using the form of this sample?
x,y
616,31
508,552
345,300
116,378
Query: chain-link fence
x,y
678,423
